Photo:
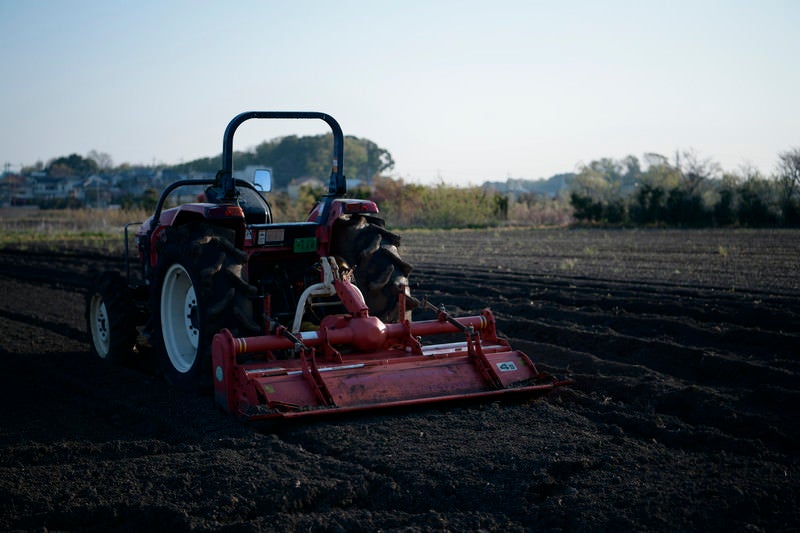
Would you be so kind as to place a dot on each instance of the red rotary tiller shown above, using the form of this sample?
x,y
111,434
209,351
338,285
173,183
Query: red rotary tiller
x,y
355,362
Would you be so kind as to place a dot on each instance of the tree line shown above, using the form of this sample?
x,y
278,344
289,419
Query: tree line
x,y
688,192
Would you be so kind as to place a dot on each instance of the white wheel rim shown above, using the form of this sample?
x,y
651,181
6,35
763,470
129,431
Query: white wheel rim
x,y
179,318
98,318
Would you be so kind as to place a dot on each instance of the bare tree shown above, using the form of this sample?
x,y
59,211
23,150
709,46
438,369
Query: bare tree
x,y
789,173
653,159
695,170
103,160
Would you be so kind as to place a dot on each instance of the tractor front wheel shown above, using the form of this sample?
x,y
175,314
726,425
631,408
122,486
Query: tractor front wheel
x,y
111,318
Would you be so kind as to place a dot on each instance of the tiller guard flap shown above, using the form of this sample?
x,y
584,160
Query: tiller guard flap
x,y
355,363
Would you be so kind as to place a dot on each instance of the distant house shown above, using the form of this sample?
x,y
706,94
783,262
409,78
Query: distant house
x,y
94,191
51,188
134,181
15,190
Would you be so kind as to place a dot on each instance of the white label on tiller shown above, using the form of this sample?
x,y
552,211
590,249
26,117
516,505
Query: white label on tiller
x,y
506,366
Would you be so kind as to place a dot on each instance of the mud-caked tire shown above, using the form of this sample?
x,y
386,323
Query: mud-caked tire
x,y
200,289
366,246
111,318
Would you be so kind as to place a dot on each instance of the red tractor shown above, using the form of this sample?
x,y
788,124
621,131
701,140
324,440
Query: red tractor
x,y
290,318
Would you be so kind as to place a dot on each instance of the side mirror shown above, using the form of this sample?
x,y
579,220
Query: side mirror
x,y
262,179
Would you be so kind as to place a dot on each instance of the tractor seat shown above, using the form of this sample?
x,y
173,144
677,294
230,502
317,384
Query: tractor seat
x,y
256,208
256,215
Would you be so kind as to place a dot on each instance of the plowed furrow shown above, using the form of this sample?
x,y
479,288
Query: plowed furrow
x,y
48,326
58,269
636,399
684,362
748,310
775,347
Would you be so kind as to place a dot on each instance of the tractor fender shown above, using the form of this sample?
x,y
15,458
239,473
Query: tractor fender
x,y
342,207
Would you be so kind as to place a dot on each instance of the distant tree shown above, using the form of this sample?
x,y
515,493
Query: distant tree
x,y
72,165
695,171
539,209
501,206
36,167
755,206
599,191
789,179
689,181
632,172
686,208
205,165
724,210
789,171
308,195
103,160
364,159
399,202
649,205
597,181
379,160
585,208
616,211
150,199
655,160
660,173
294,157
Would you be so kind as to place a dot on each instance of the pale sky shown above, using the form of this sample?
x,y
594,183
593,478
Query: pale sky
x,y
459,91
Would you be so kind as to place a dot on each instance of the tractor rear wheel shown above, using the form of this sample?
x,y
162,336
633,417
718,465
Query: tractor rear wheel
x,y
200,291
380,273
111,318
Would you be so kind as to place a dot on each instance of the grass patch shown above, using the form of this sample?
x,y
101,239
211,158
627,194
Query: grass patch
x,y
96,228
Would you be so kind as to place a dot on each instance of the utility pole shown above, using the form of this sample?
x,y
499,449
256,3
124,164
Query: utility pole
x,y
12,187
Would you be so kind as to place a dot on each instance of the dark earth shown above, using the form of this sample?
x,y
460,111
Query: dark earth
x,y
684,413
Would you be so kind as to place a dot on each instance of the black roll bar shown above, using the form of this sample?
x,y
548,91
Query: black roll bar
x,y
337,185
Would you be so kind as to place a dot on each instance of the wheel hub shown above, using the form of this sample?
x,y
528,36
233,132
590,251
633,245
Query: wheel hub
x,y
180,320
100,324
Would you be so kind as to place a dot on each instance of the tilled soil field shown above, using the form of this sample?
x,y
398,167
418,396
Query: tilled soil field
x,y
684,413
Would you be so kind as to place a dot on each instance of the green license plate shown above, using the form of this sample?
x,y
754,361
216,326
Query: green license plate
x,y
305,244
